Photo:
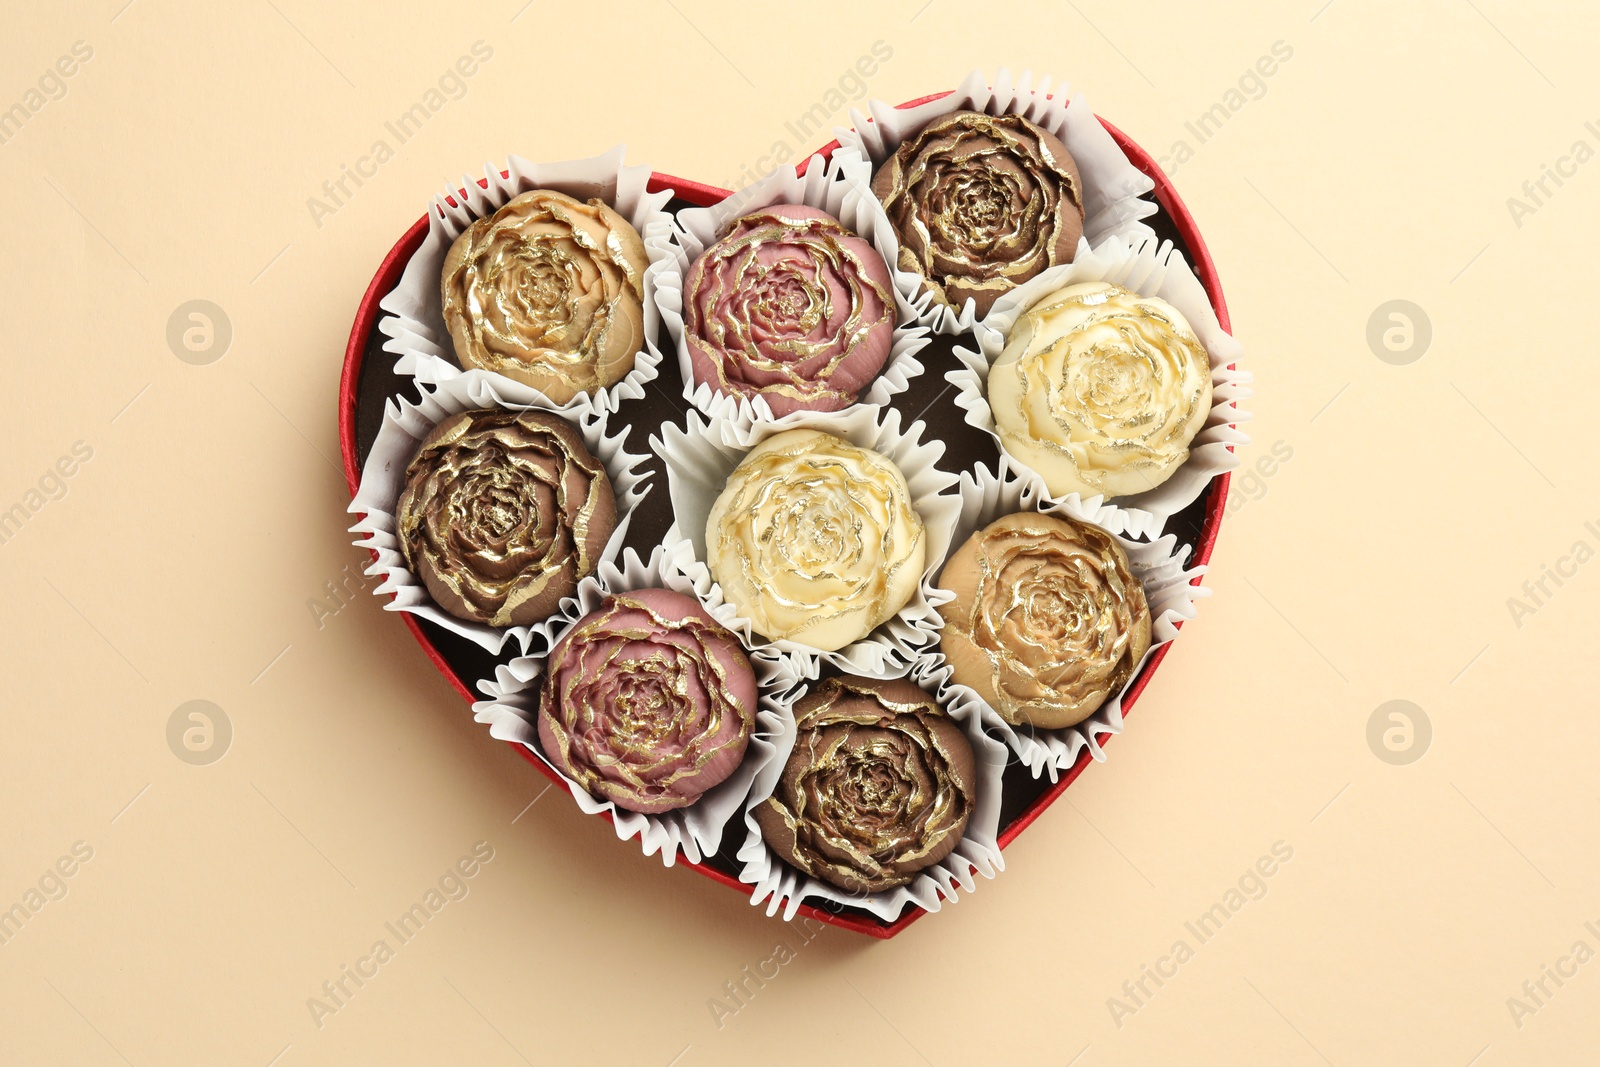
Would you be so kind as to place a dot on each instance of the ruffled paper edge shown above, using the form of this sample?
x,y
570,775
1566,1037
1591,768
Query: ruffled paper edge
x,y
695,831
780,886
405,424
1150,268
1161,566
1114,189
414,322
700,456
837,186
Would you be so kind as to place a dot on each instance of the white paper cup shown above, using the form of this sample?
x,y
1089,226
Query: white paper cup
x,y
1149,268
781,886
1113,188
1159,565
405,424
694,831
414,317
838,187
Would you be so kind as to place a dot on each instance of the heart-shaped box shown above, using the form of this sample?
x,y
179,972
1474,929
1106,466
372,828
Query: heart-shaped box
x,y
369,378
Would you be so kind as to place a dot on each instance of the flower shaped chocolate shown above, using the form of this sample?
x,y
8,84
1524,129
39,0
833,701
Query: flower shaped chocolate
x,y
1100,390
815,540
548,291
981,204
880,784
791,306
1048,620
647,702
502,513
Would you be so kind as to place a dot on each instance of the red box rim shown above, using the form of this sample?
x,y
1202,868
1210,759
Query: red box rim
x,y
394,263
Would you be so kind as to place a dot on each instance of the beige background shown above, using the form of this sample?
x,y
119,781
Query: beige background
x,y
1374,565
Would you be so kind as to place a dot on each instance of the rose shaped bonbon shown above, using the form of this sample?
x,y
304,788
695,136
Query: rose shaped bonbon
x,y
1048,619
503,512
814,539
1100,390
880,784
647,702
790,306
548,291
981,203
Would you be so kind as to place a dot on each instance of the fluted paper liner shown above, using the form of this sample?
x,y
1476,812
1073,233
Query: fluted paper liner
x,y
414,319
1113,188
383,478
699,460
1161,566
694,831
1149,268
781,886
838,187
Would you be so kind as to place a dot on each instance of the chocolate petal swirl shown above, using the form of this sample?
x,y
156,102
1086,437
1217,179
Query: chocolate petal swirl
x,y
647,702
1101,390
1048,619
981,204
503,512
548,291
791,306
815,540
879,786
